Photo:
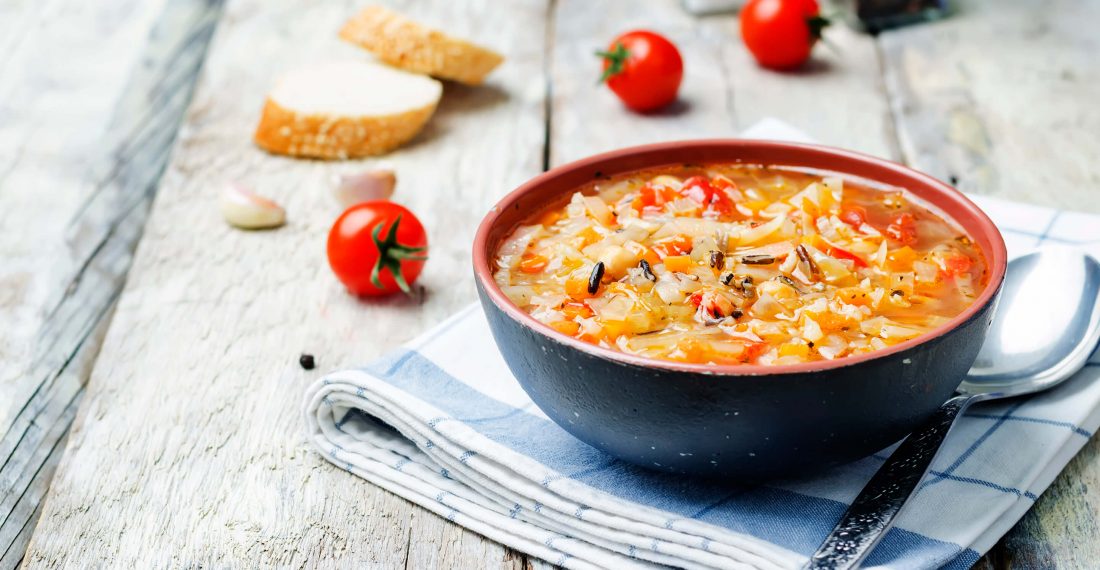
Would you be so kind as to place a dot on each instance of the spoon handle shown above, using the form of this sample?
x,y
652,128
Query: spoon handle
x,y
878,504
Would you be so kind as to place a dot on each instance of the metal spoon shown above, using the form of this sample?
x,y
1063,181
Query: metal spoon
x,y
1046,326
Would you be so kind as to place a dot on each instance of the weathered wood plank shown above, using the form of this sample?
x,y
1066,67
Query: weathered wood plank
x,y
587,118
188,449
1000,99
837,99
75,194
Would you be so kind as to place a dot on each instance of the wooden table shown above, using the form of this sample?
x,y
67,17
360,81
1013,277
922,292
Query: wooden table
x,y
179,361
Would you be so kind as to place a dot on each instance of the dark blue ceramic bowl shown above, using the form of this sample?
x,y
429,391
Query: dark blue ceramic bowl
x,y
746,422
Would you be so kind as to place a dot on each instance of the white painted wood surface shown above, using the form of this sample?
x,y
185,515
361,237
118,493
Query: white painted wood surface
x,y
86,125
188,448
208,332
1004,99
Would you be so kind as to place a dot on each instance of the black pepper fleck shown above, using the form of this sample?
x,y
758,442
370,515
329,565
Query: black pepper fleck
x,y
306,361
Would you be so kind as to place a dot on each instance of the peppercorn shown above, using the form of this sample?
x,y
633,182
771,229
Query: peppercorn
x,y
306,361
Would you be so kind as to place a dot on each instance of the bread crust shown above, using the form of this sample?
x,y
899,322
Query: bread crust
x,y
406,44
328,137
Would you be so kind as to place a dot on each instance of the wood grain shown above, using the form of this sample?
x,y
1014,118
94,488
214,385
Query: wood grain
x,y
1001,97
188,448
190,437
61,277
838,98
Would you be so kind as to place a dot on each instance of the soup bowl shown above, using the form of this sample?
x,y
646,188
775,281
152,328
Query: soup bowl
x,y
742,421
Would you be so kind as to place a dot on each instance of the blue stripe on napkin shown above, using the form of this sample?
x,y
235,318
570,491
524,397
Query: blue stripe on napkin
x,y
792,520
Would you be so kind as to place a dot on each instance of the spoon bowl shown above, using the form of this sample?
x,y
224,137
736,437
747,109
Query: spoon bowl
x,y
1045,327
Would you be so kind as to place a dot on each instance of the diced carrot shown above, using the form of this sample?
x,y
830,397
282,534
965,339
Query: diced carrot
x,y
902,258
573,310
678,263
590,236
794,349
853,296
753,351
569,328
694,351
614,329
674,245
643,252
550,218
830,321
577,288
533,263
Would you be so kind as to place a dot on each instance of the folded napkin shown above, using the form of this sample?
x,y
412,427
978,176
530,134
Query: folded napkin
x,y
443,423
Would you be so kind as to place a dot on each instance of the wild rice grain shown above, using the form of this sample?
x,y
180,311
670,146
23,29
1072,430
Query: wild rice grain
x,y
594,279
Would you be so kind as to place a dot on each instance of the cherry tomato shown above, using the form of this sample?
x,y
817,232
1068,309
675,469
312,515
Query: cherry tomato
x,y
781,33
903,228
377,248
854,216
644,69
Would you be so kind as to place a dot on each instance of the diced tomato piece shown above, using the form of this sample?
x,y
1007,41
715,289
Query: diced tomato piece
x,y
958,264
723,183
533,263
653,197
854,216
903,228
714,199
674,245
696,298
845,254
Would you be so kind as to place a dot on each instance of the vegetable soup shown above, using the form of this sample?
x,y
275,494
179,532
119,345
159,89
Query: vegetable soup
x,y
729,264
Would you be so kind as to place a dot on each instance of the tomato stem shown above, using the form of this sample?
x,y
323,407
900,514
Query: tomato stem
x,y
616,59
391,254
817,24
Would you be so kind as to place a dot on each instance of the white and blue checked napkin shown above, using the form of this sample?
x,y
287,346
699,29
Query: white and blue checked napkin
x,y
443,423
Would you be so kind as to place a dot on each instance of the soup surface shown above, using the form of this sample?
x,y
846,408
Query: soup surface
x,y
732,264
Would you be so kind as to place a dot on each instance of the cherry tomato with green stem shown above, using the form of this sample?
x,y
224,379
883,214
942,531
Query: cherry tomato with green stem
x,y
377,248
644,69
781,33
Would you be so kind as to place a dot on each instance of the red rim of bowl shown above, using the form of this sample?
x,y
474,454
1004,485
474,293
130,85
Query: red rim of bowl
x,y
979,225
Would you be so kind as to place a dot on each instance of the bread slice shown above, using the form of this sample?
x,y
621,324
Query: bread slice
x,y
404,43
345,110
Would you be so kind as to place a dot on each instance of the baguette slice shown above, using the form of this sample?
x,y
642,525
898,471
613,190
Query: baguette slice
x,y
345,110
403,43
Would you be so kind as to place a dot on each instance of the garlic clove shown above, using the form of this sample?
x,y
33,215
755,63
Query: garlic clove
x,y
352,189
245,209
